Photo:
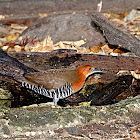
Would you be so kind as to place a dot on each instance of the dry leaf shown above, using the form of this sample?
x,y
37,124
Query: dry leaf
x,y
17,48
123,72
73,13
27,48
73,43
43,15
5,48
106,49
3,16
85,103
11,37
95,49
61,45
41,48
10,50
118,51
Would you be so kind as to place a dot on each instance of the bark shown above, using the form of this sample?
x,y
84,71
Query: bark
x,y
107,94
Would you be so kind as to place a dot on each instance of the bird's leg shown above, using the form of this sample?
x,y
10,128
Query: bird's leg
x,y
55,100
55,97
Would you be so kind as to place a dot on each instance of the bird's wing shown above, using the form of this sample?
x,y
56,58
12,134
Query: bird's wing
x,y
52,79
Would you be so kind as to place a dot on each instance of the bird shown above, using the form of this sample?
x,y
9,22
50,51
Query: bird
x,y
59,83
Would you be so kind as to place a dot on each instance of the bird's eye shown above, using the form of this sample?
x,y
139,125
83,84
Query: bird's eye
x,y
89,68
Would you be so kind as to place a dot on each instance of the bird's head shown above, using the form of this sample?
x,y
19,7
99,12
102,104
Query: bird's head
x,y
87,70
83,73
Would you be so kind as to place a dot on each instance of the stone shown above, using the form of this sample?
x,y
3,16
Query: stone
x,y
65,28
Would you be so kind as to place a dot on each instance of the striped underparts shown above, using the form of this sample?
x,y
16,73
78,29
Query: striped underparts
x,y
60,93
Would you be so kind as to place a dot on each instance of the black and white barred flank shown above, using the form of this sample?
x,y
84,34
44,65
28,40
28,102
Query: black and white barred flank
x,y
61,93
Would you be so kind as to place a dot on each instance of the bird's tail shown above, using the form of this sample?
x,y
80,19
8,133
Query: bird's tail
x,y
61,93
38,89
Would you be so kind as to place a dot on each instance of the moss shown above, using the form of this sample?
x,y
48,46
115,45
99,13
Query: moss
x,y
4,94
39,116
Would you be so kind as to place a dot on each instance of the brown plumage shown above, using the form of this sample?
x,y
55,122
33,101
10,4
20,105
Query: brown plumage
x,y
64,82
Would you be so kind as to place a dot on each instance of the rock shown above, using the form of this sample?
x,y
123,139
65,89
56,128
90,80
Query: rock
x,y
3,32
65,28
132,14
73,131
116,36
94,136
5,129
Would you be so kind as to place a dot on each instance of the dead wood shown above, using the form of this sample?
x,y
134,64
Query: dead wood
x,y
107,94
133,90
12,69
68,59
11,66
116,36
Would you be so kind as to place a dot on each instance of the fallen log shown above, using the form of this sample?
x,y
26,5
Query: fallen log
x,y
12,70
107,94
68,59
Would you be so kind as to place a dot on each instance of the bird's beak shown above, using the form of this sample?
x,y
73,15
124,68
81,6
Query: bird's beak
x,y
95,70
